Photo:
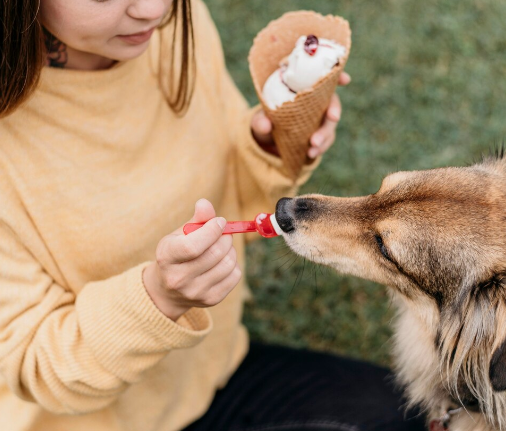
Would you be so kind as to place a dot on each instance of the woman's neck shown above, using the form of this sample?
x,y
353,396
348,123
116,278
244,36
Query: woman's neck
x,y
62,56
84,61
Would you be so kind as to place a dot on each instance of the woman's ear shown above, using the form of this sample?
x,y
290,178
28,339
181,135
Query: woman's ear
x,y
497,369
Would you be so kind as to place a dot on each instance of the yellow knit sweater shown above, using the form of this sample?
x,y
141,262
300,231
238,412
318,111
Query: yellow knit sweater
x,y
94,170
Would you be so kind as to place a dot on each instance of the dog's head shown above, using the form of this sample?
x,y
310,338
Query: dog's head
x,y
437,237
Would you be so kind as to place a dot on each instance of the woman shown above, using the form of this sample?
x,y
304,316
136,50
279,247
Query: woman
x,y
109,134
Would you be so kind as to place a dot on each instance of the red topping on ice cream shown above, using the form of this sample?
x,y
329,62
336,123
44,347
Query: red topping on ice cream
x,y
311,44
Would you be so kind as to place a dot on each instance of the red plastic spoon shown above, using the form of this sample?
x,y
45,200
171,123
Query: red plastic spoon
x,y
265,224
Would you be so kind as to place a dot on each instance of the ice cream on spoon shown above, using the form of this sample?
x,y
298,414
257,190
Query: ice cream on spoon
x,y
310,60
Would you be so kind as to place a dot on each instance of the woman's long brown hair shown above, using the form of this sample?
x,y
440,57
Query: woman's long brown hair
x,y
23,54
179,100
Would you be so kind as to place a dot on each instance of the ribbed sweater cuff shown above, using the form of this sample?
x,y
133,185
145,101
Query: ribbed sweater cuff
x,y
126,331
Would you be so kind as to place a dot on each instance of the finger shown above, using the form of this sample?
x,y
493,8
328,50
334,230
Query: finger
x,y
212,256
329,124
219,271
329,136
204,211
183,248
334,110
191,273
220,291
322,139
327,129
261,124
344,79
314,152
261,127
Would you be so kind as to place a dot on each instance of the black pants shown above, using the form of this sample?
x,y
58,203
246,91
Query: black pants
x,y
282,389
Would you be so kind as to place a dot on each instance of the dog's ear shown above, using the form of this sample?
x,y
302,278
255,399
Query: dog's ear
x,y
497,370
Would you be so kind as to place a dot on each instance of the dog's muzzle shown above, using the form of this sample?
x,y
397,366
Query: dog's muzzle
x,y
289,212
284,214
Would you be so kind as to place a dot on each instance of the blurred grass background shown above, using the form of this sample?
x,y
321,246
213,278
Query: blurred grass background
x,y
428,90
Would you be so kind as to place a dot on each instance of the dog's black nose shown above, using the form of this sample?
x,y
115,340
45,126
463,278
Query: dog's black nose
x,y
284,214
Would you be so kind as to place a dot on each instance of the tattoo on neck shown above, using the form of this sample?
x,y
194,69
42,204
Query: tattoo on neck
x,y
56,50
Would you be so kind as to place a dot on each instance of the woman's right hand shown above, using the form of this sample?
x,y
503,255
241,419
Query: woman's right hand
x,y
195,270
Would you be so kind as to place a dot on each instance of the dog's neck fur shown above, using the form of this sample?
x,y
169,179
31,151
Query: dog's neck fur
x,y
429,383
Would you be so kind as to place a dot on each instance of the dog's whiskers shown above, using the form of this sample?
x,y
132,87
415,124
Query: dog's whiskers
x,y
296,257
299,276
282,256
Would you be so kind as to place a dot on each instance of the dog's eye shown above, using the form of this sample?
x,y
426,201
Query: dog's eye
x,y
382,248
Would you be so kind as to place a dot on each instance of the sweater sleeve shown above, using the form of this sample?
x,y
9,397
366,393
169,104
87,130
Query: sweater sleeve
x,y
76,353
260,177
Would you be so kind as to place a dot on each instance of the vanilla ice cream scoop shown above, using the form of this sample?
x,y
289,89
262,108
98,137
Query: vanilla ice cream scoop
x,y
311,59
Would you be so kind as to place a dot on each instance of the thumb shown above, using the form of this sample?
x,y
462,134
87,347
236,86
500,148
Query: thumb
x,y
204,211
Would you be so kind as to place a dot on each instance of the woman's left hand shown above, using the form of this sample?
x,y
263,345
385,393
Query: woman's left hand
x,y
320,141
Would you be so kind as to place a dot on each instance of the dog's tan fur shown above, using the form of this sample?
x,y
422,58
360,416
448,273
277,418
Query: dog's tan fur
x,y
438,239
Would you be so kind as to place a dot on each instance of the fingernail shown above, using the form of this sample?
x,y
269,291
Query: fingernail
x,y
221,222
317,140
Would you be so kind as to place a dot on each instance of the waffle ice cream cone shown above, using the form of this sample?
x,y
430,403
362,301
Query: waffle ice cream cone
x,y
295,121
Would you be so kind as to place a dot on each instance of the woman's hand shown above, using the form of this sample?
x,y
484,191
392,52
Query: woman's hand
x,y
320,141
195,270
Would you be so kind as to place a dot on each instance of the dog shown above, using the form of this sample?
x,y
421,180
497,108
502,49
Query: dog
x,y
437,239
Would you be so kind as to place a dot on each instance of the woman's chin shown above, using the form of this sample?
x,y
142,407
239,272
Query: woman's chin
x,y
128,52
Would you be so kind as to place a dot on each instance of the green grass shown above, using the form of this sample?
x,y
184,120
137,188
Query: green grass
x,y
428,90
